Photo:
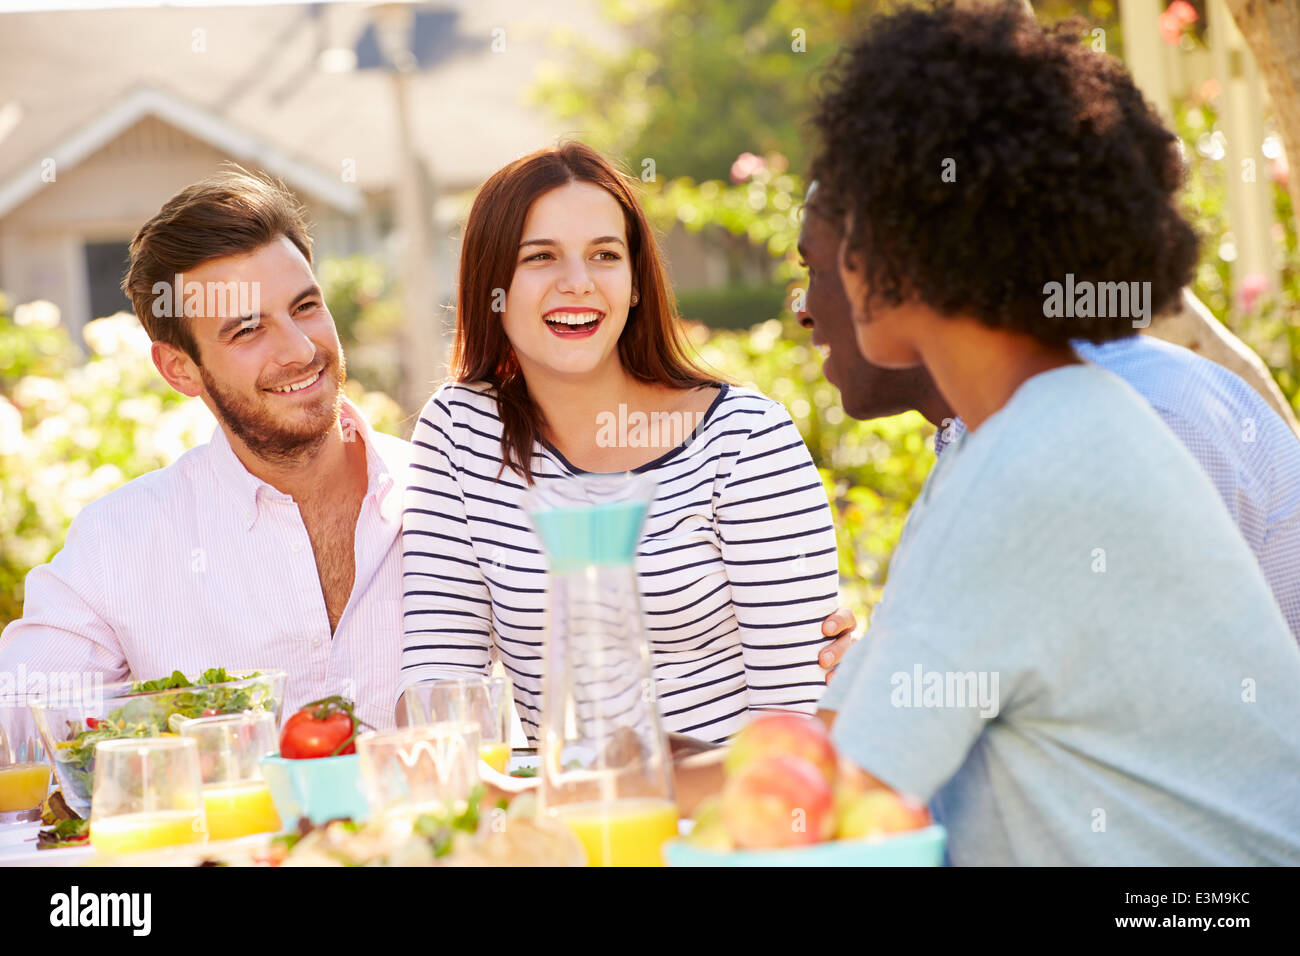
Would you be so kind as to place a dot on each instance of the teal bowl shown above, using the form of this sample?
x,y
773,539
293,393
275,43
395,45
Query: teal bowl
x,y
321,789
922,847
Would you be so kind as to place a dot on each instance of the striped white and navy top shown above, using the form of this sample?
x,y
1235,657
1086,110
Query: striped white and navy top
x,y
737,563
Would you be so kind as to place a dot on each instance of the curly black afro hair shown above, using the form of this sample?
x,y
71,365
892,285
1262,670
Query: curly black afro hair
x,y
1060,168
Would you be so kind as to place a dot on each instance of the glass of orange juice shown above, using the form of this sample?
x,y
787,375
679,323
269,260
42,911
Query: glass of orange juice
x,y
148,793
485,703
235,795
24,767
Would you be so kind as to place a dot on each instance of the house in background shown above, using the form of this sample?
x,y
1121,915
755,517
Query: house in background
x,y
105,114
64,232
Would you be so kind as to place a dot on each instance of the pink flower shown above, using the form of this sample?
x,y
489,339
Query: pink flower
x,y
745,166
1252,287
1280,170
1177,16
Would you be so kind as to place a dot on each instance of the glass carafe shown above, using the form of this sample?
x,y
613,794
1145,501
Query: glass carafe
x,y
605,765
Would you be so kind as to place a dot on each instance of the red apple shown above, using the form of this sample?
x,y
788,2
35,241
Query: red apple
x,y
877,813
778,801
787,734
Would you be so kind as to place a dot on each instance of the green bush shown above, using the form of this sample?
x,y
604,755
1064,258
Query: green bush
x,y
361,295
732,307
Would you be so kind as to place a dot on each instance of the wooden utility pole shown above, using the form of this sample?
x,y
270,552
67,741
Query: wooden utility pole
x,y
423,358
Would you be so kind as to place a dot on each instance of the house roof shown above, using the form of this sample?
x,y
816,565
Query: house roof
x,y
248,80
202,124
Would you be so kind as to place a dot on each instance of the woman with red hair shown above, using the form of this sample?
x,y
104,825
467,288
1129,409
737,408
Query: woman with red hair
x,y
567,343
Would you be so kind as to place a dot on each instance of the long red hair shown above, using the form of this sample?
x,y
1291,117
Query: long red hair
x,y
652,348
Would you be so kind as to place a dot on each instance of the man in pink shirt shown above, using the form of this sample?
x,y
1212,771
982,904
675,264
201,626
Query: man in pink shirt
x,y
276,545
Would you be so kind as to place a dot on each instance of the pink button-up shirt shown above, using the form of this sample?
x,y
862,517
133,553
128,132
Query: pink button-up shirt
x,y
201,564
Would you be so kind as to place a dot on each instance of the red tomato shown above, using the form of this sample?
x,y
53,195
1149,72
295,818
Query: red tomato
x,y
92,723
317,732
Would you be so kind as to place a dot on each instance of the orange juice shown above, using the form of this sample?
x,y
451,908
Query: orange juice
x,y
23,786
147,831
496,756
239,810
622,833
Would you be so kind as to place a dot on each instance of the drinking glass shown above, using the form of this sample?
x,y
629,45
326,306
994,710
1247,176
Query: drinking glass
x,y
485,703
236,798
24,765
431,768
148,793
605,766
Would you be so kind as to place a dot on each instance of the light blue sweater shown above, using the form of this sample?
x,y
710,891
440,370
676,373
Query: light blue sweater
x,y
1076,656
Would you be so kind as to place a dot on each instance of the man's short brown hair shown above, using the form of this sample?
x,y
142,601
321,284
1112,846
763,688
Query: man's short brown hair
x,y
232,212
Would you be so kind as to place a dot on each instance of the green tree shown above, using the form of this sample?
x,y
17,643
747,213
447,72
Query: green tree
x,y
698,84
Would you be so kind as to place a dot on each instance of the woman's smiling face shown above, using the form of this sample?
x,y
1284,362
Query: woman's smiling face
x,y
569,297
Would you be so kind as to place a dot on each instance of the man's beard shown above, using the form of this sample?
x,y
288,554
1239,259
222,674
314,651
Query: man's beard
x,y
268,437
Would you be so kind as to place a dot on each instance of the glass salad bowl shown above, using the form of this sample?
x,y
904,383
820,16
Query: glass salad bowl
x,y
73,720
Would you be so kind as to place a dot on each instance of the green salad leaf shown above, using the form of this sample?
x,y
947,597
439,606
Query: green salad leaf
x,y
163,683
64,833
439,829
144,716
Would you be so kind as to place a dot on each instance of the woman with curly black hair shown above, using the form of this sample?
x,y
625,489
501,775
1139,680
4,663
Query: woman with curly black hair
x,y
1077,659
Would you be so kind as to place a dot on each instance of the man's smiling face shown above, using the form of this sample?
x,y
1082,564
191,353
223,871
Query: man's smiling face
x,y
275,378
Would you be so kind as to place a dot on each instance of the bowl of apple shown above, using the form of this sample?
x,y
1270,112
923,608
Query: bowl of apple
x,y
789,800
